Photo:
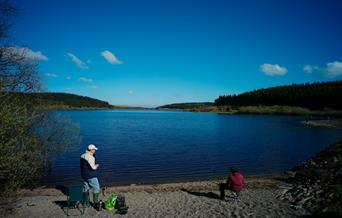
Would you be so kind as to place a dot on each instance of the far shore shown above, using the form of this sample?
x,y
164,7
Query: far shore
x,y
256,110
57,108
262,110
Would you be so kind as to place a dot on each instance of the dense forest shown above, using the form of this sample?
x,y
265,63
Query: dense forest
x,y
65,100
314,96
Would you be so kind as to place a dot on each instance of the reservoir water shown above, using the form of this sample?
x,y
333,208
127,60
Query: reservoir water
x,y
150,146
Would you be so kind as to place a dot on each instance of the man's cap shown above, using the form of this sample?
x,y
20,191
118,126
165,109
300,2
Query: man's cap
x,y
92,147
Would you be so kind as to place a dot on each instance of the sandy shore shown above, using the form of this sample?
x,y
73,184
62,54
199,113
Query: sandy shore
x,y
192,199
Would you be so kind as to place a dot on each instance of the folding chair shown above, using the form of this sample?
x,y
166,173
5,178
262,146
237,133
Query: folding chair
x,y
236,196
75,198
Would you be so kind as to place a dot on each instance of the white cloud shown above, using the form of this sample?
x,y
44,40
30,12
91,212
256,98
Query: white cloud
x,y
86,80
110,57
68,78
130,92
333,69
27,53
93,87
273,70
50,75
309,68
77,61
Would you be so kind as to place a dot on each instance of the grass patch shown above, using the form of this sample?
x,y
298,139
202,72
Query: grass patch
x,y
275,109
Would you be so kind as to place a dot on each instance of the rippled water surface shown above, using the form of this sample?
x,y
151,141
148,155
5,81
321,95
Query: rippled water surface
x,y
165,146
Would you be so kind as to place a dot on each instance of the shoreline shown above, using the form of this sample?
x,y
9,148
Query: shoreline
x,y
261,110
94,108
246,110
260,181
252,176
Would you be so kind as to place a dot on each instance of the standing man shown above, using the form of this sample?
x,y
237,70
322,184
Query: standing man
x,y
89,168
235,183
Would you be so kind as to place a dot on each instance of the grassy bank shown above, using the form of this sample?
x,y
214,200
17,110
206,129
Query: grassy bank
x,y
276,110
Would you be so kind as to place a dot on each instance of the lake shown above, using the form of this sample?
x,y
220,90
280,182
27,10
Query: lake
x,y
150,146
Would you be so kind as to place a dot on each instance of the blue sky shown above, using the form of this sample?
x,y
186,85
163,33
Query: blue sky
x,y
150,53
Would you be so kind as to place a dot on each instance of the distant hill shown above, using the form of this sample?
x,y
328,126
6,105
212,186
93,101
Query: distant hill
x,y
62,100
72,101
314,96
186,106
66,100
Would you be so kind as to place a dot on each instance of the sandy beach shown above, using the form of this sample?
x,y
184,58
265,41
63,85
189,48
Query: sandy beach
x,y
190,199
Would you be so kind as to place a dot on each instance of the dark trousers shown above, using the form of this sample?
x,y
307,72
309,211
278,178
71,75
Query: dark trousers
x,y
223,187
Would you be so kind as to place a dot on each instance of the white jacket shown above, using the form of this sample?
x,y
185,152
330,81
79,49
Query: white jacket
x,y
88,156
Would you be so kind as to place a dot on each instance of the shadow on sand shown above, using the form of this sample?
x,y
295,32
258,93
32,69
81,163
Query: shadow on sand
x,y
202,194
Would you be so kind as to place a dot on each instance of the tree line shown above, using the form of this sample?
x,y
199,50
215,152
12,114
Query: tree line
x,y
50,99
315,96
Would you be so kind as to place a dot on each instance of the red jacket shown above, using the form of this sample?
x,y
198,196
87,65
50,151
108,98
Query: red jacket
x,y
236,182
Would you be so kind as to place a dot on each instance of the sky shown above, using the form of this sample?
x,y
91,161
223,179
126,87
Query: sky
x,y
150,53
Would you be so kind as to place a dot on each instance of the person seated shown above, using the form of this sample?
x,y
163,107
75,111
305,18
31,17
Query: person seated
x,y
235,183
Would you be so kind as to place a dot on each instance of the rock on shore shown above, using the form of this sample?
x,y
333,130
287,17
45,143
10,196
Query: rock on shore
x,y
316,185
